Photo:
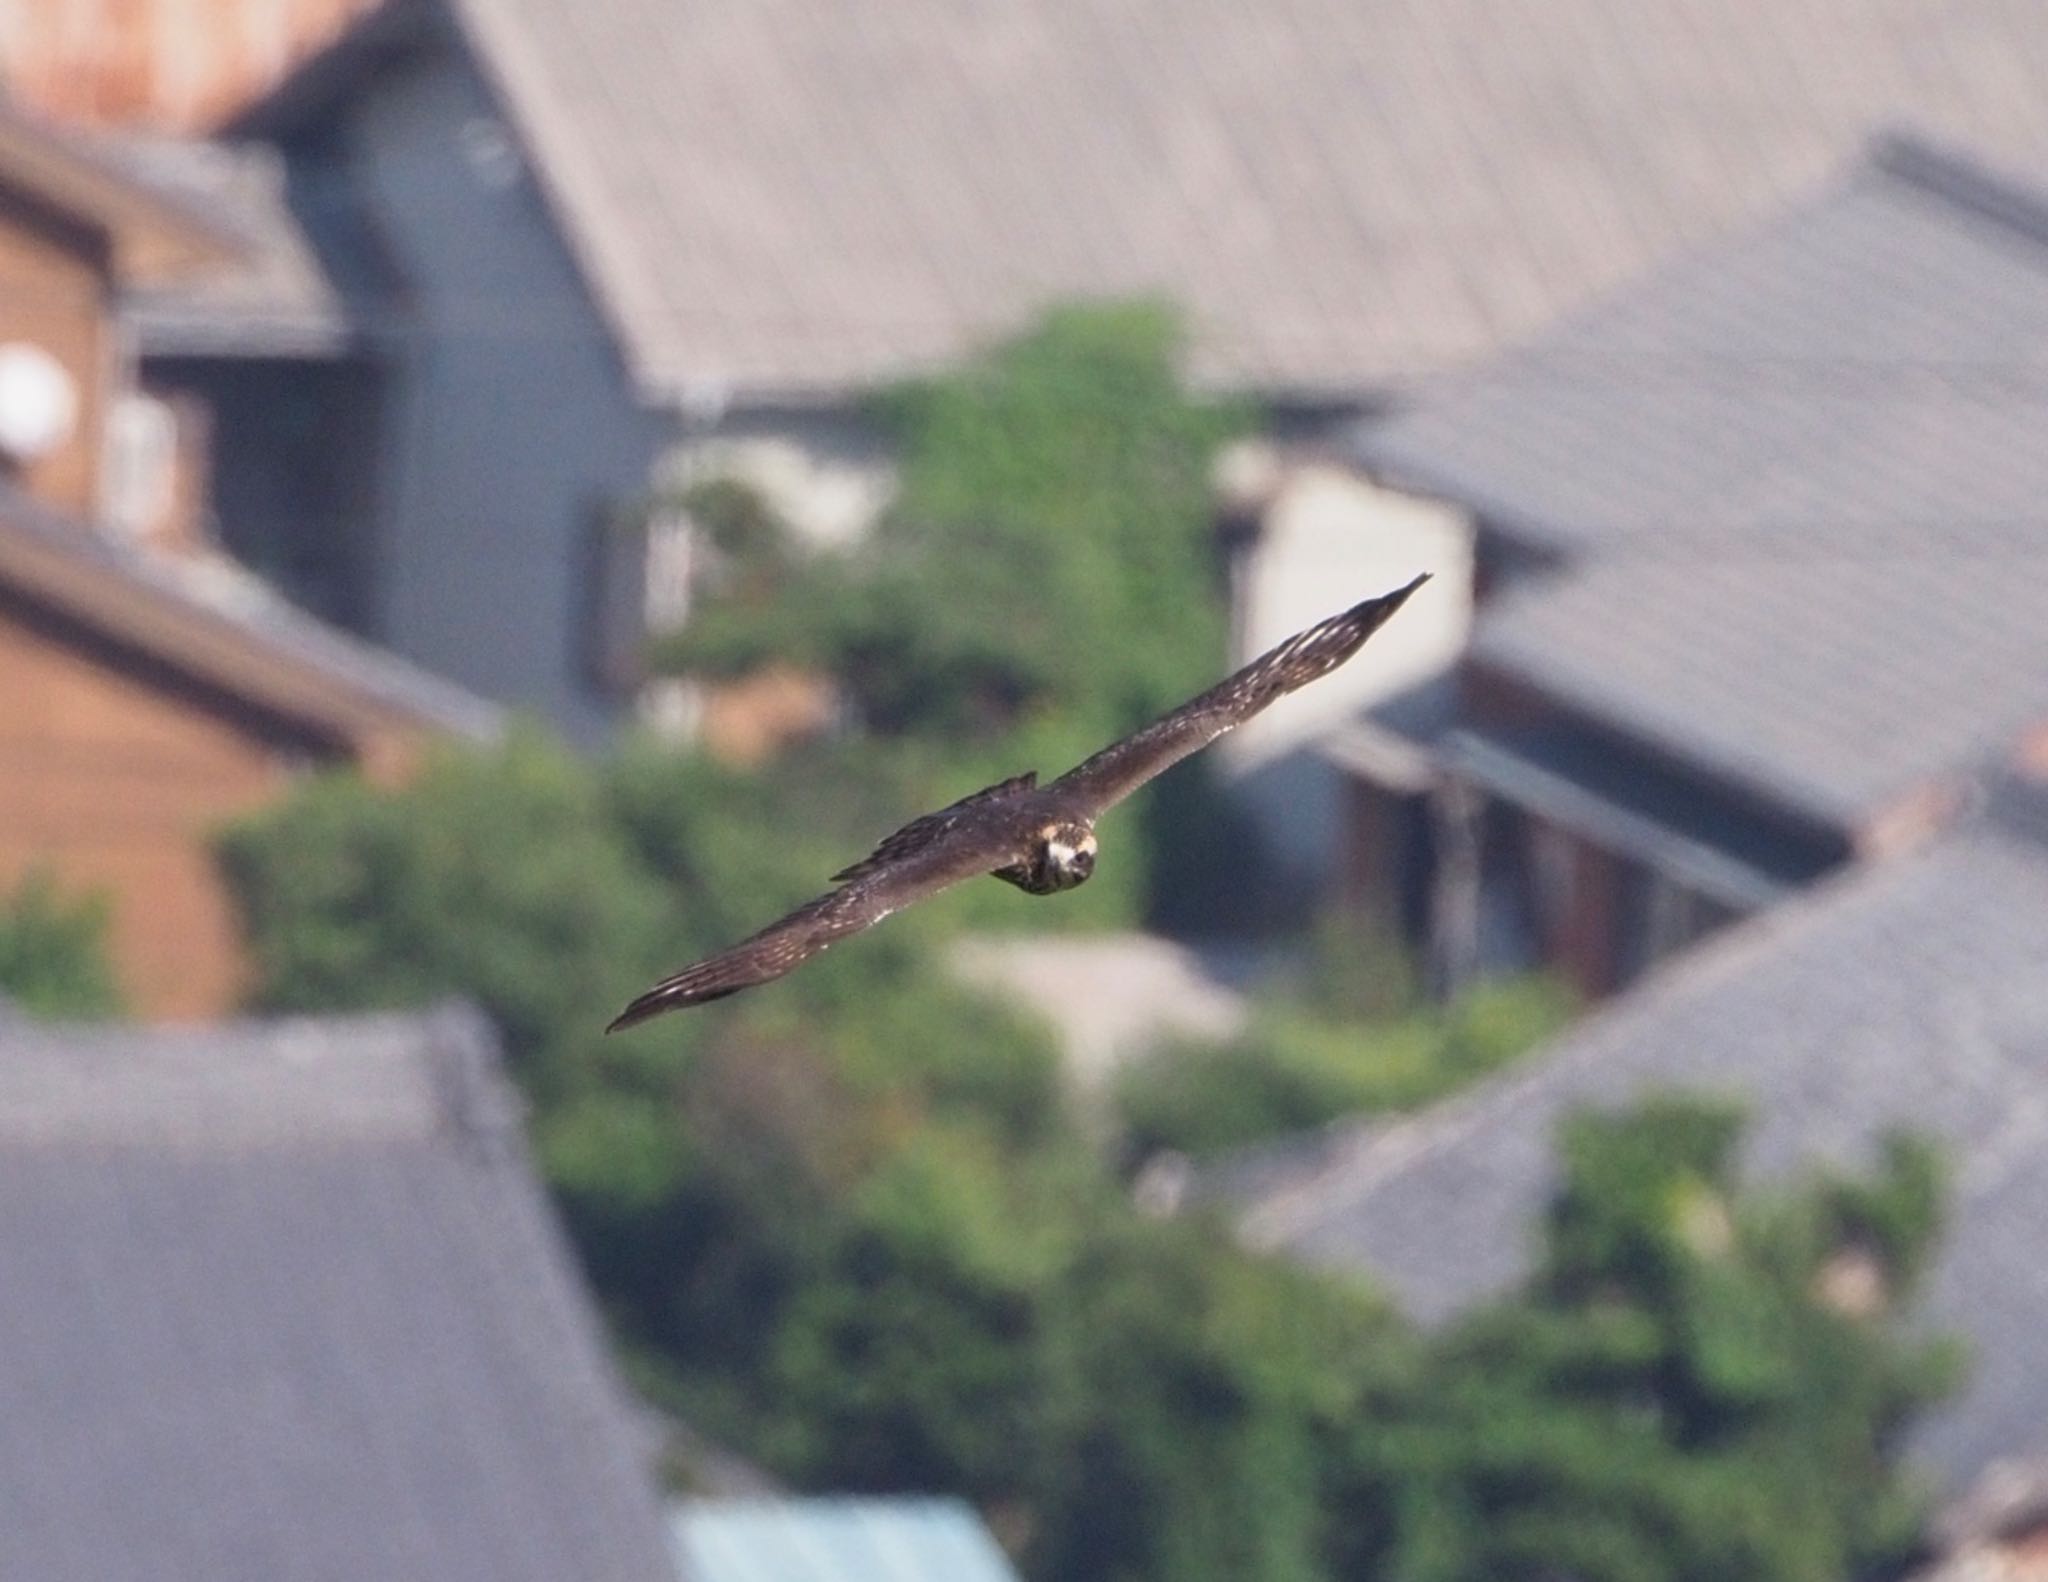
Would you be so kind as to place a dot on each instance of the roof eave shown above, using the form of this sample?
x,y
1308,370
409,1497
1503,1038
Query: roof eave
x,y
52,560
1783,797
227,334
155,237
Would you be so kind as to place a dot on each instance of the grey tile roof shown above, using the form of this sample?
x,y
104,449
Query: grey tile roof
x,y
1866,371
1912,992
836,1540
793,196
285,1300
1799,483
1832,685
153,232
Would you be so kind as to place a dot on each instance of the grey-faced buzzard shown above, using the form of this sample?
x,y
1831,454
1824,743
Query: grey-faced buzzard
x,y
1039,838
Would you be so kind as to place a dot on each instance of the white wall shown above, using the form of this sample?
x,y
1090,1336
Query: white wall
x,y
824,471
1329,538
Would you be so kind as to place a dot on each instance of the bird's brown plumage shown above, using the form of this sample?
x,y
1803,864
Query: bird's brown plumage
x,y
1004,826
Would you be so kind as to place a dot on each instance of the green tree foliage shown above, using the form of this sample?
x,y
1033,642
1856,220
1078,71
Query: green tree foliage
x,y
1048,555
1689,1390
1199,1394
1348,1035
850,1226
496,874
1045,580
53,960
1052,540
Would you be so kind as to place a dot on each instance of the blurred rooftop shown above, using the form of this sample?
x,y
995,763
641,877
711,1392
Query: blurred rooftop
x,y
285,1299
796,199
168,65
1903,993
1793,487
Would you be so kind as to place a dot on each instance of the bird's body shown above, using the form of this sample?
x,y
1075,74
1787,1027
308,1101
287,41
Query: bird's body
x,y
1039,838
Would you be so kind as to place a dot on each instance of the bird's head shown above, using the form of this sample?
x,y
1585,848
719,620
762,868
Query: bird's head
x,y
1065,856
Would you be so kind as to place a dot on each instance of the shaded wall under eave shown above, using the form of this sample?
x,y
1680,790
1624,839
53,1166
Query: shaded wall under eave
x,y
115,773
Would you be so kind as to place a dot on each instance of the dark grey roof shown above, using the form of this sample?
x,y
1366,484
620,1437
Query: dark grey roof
x,y
276,302
1799,485
1866,372
285,1300
1908,993
796,196
1834,685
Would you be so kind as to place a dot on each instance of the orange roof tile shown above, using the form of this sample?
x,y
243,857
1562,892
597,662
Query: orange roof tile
x,y
173,65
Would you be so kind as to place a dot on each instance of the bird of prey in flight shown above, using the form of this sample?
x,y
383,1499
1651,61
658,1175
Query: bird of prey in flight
x,y
1039,838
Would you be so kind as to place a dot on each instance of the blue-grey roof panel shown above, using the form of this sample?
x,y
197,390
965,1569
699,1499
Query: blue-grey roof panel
x,y
799,197
836,1540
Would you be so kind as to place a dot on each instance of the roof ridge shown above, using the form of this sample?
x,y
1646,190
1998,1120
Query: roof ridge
x,y
477,1102
247,1082
1962,179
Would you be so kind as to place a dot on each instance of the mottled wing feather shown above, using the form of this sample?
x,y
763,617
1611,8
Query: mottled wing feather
x,y
1114,773
921,832
966,848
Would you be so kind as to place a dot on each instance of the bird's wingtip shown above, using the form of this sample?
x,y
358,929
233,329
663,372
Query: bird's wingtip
x,y
651,1004
1379,609
695,986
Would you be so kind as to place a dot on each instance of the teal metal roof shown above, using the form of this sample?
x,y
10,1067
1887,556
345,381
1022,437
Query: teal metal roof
x,y
835,1540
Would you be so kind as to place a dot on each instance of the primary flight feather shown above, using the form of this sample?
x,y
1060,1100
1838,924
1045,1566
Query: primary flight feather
x,y
1039,838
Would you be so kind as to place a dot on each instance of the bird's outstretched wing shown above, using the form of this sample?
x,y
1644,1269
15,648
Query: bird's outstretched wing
x,y
1114,773
921,832
958,842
